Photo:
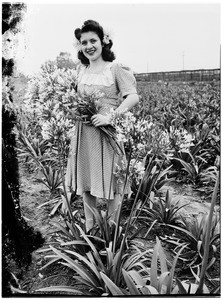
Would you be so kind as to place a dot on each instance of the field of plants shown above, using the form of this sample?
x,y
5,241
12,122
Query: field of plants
x,y
165,239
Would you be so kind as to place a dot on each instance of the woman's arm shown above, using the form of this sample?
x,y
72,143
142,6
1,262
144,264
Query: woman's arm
x,y
128,103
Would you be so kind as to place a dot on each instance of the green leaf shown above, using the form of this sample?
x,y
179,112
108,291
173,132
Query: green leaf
x,y
196,276
74,243
62,228
83,272
96,254
115,291
109,256
153,270
148,231
61,288
152,290
163,282
169,287
91,265
55,208
133,259
50,262
162,257
130,284
179,288
17,290
187,232
190,169
137,278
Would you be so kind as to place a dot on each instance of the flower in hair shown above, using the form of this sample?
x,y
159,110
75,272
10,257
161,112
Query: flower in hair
x,y
107,36
106,39
78,45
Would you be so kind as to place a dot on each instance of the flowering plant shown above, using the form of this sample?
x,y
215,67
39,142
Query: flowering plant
x,y
142,134
52,100
49,100
180,138
136,171
143,137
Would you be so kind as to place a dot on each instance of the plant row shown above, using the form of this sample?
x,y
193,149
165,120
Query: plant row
x,y
172,136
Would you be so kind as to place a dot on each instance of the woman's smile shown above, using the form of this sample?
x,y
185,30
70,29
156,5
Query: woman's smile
x,y
91,45
91,52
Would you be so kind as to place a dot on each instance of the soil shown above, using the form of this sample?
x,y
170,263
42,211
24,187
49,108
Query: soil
x,y
34,194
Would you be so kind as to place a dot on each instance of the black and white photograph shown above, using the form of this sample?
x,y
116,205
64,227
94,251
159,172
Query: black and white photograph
x,y
111,149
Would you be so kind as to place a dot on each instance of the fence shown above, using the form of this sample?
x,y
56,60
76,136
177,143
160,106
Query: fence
x,y
188,75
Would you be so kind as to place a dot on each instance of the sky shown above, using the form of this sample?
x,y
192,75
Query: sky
x,y
147,36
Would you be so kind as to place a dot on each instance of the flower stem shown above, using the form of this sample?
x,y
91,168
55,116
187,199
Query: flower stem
x,y
207,242
61,166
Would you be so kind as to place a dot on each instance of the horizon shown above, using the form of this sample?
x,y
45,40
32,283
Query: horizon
x,y
155,37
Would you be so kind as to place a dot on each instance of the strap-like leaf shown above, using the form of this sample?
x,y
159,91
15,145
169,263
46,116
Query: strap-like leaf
x,y
130,284
179,288
153,271
169,287
61,288
163,282
115,291
62,228
137,278
162,258
50,262
96,254
77,267
92,266
152,290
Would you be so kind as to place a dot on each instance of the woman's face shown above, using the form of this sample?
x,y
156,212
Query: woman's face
x,y
91,45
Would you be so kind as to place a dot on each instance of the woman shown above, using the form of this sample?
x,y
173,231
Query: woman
x,y
92,159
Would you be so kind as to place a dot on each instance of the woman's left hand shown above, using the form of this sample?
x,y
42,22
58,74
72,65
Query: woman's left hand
x,y
100,120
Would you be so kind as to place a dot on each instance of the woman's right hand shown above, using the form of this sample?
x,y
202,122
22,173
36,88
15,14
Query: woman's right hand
x,y
100,120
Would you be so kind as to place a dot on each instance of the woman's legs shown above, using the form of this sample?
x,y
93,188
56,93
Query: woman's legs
x,y
89,200
113,205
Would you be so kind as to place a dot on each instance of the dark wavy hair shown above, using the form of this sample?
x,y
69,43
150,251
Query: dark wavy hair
x,y
94,26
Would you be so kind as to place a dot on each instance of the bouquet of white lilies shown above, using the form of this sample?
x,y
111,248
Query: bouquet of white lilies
x,y
84,107
52,101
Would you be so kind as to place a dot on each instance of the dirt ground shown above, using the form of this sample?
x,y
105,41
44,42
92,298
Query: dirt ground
x,y
33,194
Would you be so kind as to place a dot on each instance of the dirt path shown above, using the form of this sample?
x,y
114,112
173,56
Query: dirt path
x,y
197,205
32,195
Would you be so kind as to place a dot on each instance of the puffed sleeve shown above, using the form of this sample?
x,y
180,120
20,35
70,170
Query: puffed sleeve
x,y
125,80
